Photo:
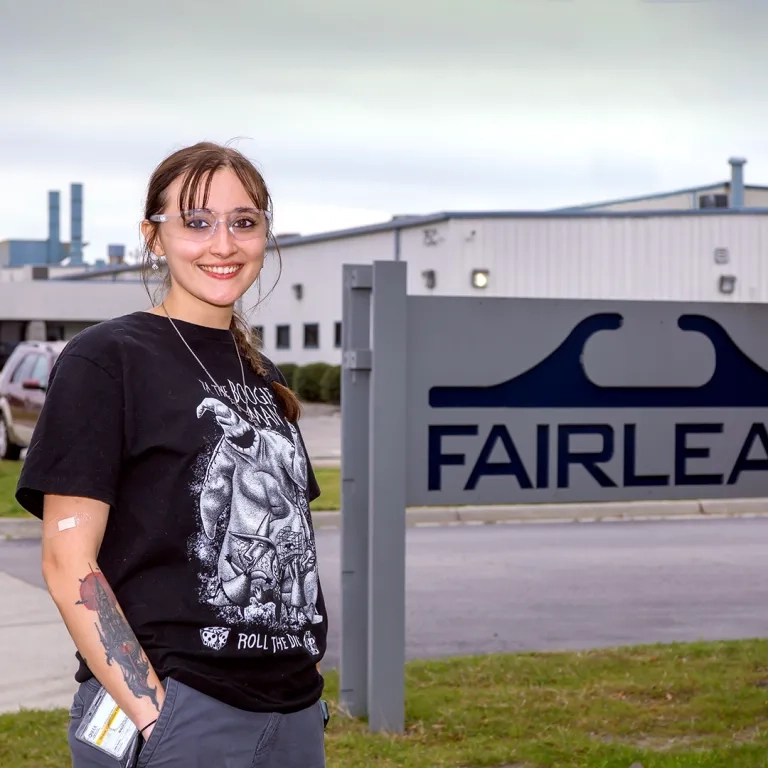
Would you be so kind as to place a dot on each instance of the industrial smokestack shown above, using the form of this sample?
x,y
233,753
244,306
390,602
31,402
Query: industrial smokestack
x,y
76,224
737,181
54,246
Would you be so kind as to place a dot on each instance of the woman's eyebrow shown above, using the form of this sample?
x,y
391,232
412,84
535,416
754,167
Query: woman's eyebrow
x,y
240,209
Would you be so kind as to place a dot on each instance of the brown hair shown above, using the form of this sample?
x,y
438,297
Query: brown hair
x,y
197,164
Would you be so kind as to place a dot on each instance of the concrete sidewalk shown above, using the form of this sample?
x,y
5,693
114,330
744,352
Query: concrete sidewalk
x,y
37,666
29,528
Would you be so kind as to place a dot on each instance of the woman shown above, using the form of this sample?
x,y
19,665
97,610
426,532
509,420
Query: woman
x,y
174,488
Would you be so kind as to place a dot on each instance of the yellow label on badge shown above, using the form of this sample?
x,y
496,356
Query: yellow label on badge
x,y
109,724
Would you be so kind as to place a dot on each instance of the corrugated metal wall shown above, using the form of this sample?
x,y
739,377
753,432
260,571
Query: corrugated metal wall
x,y
755,198
653,257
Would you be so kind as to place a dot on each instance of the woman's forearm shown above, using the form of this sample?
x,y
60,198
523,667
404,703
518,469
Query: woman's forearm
x,y
104,638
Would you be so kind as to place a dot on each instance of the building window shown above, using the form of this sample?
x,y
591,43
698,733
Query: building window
x,y
283,340
258,330
311,335
54,332
713,201
337,334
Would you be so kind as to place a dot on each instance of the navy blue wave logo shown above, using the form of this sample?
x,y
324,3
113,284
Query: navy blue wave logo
x,y
559,380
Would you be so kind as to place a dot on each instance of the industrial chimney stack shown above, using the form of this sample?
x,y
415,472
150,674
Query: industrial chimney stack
x,y
54,246
76,224
737,181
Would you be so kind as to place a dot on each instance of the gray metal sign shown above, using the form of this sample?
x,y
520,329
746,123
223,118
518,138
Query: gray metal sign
x,y
518,400
452,400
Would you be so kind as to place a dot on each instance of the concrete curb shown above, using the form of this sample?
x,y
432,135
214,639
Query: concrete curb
x,y
539,513
23,528
29,528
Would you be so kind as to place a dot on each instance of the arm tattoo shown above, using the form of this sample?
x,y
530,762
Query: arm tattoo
x,y
116,636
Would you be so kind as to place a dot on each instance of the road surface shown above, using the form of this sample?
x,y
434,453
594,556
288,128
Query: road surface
x,y
482,589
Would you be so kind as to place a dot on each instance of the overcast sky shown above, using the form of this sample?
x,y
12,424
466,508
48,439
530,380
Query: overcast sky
x,y
358,111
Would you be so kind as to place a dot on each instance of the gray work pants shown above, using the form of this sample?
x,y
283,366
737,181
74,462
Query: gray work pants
x,y
195,730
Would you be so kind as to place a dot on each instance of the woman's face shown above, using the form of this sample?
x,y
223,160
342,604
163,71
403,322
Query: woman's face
x,y
220,269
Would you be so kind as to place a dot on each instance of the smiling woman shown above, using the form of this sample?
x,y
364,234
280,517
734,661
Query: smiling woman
x,y
174,488
210,266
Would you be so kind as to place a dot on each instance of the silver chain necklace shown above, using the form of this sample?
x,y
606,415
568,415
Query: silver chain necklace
x,y
200,363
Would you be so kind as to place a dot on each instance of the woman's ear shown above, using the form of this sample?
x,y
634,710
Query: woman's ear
x,y
151,235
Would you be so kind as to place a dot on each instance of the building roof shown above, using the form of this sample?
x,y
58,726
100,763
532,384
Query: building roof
x,y
406,222
658,196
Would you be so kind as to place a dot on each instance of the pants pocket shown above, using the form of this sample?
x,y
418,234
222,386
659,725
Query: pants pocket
x,y
152,747
84,755
83,697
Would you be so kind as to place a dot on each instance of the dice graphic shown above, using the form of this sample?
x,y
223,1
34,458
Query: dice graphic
x,y
214,637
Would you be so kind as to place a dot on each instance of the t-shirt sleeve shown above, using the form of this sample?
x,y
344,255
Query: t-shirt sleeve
x,y
76,448
313,488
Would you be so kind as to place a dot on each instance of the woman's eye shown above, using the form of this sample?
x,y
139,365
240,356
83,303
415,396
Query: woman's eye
x,y
246,222
196,223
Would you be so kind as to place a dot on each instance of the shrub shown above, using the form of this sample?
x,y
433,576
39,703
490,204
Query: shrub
x,y
330,388
289,371
307,382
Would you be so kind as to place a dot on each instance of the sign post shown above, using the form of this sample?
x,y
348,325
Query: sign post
x,y
386,517
355,408
503,400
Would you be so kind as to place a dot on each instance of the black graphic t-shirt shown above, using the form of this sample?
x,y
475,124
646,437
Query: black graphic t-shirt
x,y
209,545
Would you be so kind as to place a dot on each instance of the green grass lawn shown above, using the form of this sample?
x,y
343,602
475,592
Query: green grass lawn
x,y
328,479
9,475
702,705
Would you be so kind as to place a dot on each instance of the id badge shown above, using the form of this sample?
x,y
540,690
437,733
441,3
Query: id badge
x,y
106,727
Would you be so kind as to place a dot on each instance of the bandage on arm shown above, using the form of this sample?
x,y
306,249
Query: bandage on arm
x,y
73,529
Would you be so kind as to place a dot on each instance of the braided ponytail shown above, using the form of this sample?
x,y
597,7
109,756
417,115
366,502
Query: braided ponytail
x,y
249,344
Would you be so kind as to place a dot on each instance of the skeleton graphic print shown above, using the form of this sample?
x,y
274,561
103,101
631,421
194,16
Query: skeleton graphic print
x,y
256,546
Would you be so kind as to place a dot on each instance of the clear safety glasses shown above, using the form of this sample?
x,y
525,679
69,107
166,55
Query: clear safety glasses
x,y
200,225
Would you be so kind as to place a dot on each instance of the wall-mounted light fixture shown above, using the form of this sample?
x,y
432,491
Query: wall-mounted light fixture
x,y
430,278
480,278
727,283
298,290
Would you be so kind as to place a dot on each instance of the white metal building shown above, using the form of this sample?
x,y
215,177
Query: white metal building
x,y
703,244
692,255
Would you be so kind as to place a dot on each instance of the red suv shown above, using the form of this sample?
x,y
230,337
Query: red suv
x,y
23,382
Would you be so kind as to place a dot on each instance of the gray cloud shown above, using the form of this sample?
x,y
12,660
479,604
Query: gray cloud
x,y
399,107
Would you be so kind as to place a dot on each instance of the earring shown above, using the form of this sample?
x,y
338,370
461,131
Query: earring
x,y
154,265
